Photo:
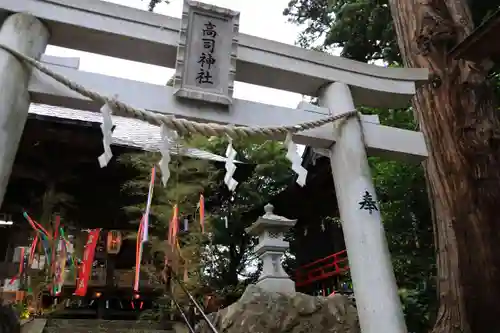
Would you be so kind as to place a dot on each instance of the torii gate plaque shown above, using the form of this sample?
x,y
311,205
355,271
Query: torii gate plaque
x,y
152,38
206,57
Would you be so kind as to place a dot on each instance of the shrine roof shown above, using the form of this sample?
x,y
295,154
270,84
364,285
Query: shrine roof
x,y
128,132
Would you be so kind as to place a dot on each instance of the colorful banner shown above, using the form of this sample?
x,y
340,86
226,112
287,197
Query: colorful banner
x,y
37,227
46,247
143,232
173,227
138,255
145,228
32,251
86,266
202,213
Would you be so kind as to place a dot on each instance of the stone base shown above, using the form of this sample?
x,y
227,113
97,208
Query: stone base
x,y
277,285
263,311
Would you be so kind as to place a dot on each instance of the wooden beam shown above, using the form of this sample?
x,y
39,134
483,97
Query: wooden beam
x,y
381,140
94,25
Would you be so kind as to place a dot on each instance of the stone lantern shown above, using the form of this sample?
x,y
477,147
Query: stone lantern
x,y
271,231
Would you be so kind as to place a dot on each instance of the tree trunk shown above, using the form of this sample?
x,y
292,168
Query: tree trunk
x,y
457,114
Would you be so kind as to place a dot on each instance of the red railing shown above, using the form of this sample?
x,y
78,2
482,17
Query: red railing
x,y
321,269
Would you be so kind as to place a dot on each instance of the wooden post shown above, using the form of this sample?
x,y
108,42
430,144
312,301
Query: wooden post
x,y
377,300
29,36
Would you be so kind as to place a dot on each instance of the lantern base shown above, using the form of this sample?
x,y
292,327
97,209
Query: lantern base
x,y
282,285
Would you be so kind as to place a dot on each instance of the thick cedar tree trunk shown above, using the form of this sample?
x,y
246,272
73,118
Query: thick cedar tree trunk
x,y
460,123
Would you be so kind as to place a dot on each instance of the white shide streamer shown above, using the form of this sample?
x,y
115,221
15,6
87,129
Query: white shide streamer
x,y
107,133
293,156
167,137
230,182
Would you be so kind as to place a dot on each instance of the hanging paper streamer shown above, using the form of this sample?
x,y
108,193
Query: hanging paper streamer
x,y
226,222
145,231
230,182
173,227
167,137
68,245
46,248
201,206
86,266
37,227
43,234
138,255
293,156
107,134
32,251
186,224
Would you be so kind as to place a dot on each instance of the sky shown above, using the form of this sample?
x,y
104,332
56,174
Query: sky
x,y
254,20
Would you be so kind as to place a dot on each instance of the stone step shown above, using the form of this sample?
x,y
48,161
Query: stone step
x,y
98,326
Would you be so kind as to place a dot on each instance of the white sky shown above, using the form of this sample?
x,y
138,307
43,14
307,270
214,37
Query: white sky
x,y
261,18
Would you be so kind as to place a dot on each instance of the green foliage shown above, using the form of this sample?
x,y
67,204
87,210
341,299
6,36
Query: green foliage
x,y
153,3
405,211
188,178
230,253
221,256
362,28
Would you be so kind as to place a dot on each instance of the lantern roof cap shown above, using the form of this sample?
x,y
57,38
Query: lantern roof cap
x,y
270,221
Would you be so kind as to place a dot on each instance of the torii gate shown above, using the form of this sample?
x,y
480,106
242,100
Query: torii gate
x,y
113,30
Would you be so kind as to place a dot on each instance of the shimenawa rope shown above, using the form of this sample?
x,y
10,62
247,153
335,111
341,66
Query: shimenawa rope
x,y
181,126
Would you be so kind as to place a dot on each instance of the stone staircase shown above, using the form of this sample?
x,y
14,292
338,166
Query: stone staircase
x,y
108,326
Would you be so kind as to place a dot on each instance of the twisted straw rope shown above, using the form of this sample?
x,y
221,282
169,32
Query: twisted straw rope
x,y
181,126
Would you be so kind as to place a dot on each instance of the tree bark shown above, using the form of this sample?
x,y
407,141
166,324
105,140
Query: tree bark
x,y
458,117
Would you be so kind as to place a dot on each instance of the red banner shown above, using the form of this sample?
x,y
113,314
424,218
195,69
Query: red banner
x,y
86,266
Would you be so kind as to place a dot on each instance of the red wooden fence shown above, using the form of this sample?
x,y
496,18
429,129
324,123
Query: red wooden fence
x,y
321,269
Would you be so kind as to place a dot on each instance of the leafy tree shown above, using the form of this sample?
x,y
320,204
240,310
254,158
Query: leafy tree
x,y
189,177
363,29
456,114
223,254
230,250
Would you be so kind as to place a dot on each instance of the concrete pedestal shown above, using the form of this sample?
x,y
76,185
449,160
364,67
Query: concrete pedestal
x,y
29,36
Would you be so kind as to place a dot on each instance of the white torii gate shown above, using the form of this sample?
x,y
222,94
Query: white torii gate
x,y
340,84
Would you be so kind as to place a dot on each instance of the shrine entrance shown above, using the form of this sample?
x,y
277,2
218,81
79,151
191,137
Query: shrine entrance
x,y
209,54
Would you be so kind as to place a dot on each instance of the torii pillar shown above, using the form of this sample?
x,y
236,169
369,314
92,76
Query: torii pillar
x,y
28,35
377,301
